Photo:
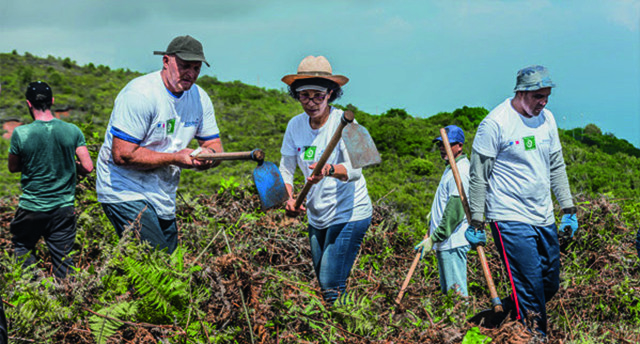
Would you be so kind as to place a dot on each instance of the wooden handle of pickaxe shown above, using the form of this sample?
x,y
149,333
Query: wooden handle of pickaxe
x,y
255,155
347,117
495,300
407,279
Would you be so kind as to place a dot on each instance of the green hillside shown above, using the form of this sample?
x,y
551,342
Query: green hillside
x,y
240,269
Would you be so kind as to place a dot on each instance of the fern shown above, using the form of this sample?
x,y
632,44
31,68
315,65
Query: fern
x,y
158,284
102,328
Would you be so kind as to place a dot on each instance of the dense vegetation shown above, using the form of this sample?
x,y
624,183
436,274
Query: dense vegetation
x,y
243,275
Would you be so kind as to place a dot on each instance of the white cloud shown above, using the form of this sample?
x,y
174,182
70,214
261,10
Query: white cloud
x,y
625,13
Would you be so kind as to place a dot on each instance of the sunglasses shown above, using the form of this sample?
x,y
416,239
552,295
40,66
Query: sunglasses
x,y
318,98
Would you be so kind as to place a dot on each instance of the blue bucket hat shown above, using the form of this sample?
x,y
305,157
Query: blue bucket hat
x,y
533,78
454,133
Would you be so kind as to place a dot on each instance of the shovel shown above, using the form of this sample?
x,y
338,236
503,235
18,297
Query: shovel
x,y
495,300
359,145
266,175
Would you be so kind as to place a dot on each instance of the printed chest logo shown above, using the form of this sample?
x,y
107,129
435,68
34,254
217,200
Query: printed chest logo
x,y
171,126
529,143
309,153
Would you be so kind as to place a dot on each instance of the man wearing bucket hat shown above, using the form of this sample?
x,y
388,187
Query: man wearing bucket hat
x,y
45,152
517,159
153,120
448,222
338,205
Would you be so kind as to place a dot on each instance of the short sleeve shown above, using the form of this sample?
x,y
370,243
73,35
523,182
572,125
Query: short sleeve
x,y
208,129
553,133
288,145
80,140
131,117
452,188
15,142
487,140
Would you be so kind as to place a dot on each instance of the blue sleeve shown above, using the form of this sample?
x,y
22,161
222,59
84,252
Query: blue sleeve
x,y
131,117
208,129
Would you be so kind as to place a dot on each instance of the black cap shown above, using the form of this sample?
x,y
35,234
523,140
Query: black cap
x,y
186,48
39,92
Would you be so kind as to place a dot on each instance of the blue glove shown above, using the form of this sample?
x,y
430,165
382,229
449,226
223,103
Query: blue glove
x,y
475,235
568,220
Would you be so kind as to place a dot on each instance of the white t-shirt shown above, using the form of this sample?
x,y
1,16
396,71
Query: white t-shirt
x,y
331,201
519,184
147,114
446,189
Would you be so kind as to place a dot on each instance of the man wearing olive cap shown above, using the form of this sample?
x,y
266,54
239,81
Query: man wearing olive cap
x,y
517,159
153,120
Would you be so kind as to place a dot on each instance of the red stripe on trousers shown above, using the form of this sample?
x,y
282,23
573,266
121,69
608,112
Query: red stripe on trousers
x,y
506,262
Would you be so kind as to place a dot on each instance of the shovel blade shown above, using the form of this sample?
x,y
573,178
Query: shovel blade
x,y
362,150
270,185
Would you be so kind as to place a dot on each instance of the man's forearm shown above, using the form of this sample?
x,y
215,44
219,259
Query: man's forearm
x,y
481,167
136,157
559,180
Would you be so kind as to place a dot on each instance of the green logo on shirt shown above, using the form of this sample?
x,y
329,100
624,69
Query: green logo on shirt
x,y
309,153
171,126
529,143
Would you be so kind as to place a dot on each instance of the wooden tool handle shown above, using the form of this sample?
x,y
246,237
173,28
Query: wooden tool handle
x,y
407,279
347,117
497,305
255,155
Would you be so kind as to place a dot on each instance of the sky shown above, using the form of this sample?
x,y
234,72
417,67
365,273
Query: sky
x,y
423,56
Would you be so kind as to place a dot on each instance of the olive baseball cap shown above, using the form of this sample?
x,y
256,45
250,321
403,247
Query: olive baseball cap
x,y
186,48
533,78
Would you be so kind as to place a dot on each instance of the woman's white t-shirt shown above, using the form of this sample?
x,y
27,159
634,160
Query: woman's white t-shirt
x,y
331,201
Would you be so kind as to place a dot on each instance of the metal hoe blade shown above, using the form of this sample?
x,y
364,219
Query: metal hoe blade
x,y
270,185
362,150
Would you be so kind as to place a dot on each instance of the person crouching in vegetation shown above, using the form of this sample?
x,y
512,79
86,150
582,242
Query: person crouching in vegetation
x,y
338,206
45,153
448,221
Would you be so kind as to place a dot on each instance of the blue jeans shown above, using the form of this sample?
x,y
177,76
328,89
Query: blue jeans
x,y
142,218
452,265
334,250
531,255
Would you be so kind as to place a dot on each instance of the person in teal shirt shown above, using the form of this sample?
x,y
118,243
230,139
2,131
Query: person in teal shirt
x,y
45,154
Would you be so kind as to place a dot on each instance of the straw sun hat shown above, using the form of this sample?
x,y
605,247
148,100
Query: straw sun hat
x,y
315,67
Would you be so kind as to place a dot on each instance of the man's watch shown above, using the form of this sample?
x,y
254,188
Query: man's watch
x,y
331,170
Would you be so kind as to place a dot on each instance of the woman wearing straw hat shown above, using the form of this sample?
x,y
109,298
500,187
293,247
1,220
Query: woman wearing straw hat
x,y
338,205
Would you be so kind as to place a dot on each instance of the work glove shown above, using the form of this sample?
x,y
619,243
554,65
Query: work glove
x,y
425,246
475,234
570,220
